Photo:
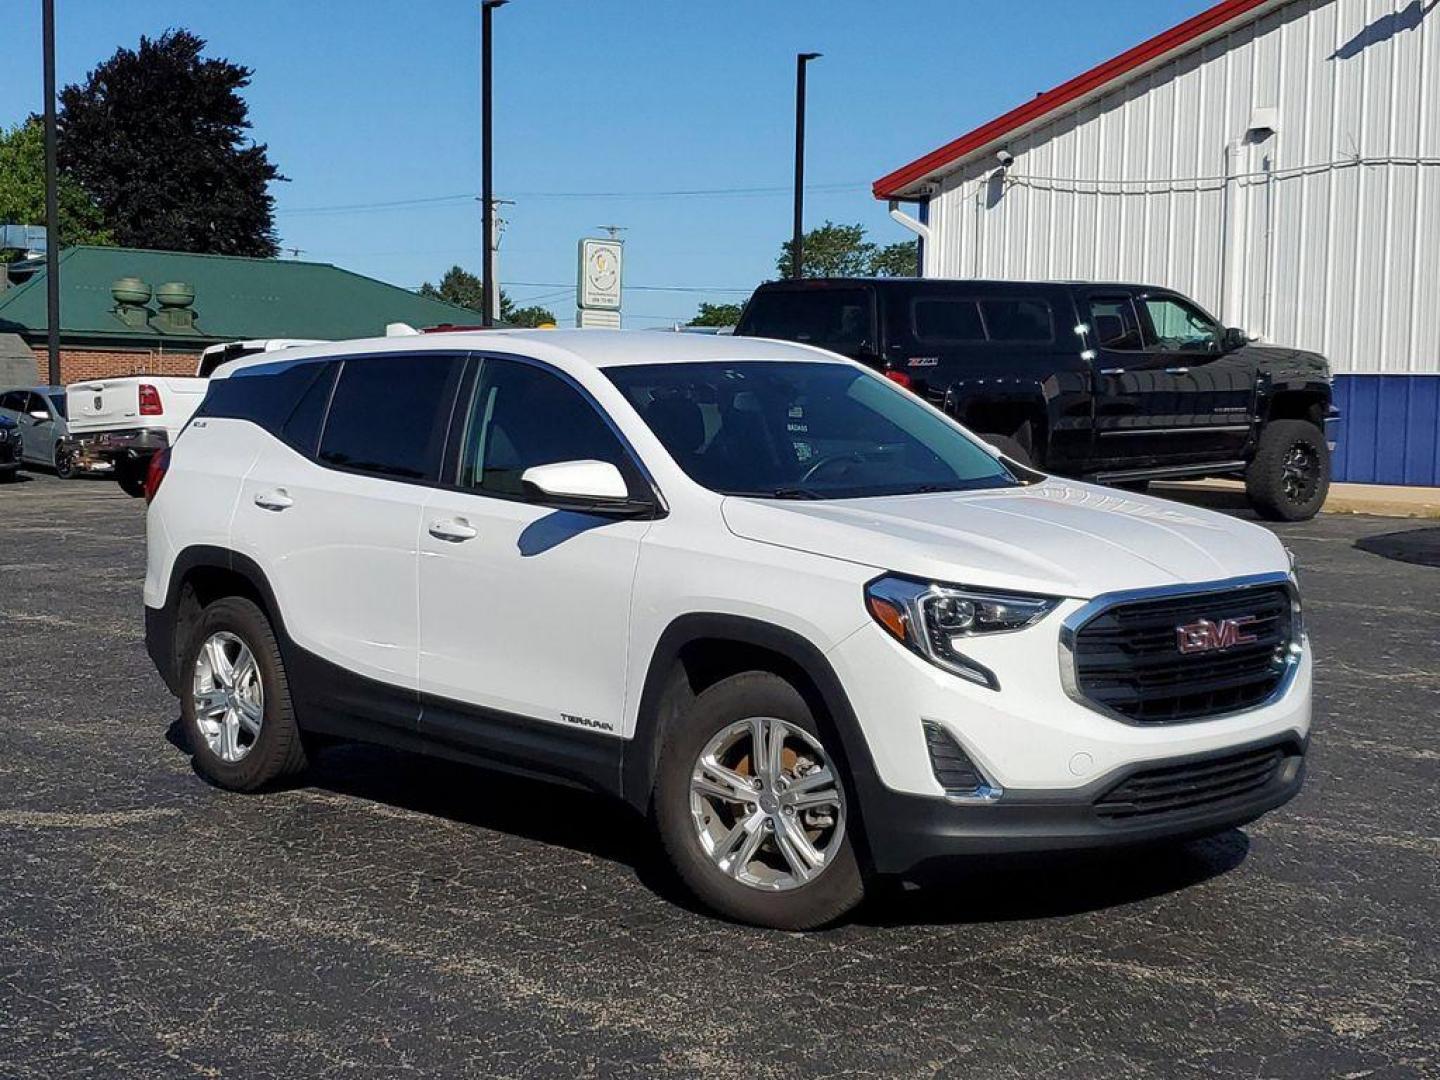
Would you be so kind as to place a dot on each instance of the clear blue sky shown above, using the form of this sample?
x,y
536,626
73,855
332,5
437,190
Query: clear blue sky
x,y
366,102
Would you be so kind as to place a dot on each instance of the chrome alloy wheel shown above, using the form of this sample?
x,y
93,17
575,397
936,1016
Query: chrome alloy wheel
x,y
766,804
229,697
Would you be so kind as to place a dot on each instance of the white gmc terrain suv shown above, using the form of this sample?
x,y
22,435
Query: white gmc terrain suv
x,y
804,622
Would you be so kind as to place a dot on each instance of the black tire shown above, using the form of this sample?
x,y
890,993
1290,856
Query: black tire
x,y
9,476
1011,448
65,463
1289,476
277,751
835,890
130,478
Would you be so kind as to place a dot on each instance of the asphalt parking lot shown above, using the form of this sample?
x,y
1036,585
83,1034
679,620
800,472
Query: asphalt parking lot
x,y
392,915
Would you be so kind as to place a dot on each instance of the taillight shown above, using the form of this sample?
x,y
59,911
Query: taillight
x,y
900,378
150,401
155,474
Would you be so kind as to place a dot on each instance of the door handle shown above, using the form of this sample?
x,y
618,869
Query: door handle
x,y
1177,371
453,530
1112,371
274,500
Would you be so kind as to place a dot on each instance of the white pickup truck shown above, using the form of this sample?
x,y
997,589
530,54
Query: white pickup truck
x,y
122,423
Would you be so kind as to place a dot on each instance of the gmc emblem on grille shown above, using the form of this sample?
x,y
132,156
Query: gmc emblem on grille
x,y
1204,635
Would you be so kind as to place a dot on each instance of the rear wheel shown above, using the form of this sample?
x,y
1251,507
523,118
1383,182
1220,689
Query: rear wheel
x,y
1289,476
235,699
64,462
131,478
751,807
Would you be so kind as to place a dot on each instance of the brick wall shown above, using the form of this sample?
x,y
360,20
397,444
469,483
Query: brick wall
x,y
77,365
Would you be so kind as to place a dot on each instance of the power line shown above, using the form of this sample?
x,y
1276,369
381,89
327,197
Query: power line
x,y
441,200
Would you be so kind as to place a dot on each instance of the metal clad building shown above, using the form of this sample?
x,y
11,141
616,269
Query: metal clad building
x,y
1278,160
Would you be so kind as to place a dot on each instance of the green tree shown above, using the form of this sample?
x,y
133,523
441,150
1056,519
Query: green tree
x,y
160,136
842,251
717,315
22,190
459,286
895,260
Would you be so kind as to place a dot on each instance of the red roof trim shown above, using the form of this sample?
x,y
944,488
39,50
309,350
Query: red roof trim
x,y
1147,52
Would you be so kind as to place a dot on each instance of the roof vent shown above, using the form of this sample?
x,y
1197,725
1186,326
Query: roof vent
x,y
131,295
176,300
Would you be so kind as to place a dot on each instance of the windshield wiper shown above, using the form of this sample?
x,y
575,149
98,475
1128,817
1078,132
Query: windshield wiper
x,y
792,493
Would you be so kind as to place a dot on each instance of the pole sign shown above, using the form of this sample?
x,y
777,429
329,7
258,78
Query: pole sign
x,y
600,266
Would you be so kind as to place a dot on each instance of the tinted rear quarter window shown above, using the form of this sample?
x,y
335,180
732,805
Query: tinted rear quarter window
x,y
947,319
264,396
1020,320
389,415
838,319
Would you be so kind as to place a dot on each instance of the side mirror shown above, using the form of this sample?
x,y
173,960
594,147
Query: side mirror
x,y
586,486
1234,338
39,414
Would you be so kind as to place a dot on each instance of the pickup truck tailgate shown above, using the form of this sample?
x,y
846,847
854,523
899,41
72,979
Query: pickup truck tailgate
x,y
110,404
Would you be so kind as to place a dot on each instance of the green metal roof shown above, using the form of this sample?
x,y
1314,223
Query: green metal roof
x,y
234,298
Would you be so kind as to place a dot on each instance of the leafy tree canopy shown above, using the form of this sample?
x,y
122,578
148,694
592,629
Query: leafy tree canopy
x,y
159,135
22,189
842,251
717,315
460,286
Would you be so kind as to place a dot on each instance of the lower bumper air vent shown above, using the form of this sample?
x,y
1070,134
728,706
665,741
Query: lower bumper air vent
x,y
954,770
1206,784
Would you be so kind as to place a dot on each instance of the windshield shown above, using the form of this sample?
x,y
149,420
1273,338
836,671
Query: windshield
x,y
57,401
798,430
835,319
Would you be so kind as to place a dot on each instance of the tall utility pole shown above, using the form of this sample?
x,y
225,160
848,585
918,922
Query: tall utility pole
x,y
52,203
491,294
797,240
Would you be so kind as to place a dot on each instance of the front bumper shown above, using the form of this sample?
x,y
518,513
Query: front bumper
x,y
906,832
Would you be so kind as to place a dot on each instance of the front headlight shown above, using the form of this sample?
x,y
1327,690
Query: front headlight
x,y
934,620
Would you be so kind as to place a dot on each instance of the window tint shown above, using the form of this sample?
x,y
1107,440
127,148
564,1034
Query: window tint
x,y
837,319
1113,323
944,319
520,416
1176,326
57,402
15,400
389,415
302,429
1018,320
264,395
795,430
34,403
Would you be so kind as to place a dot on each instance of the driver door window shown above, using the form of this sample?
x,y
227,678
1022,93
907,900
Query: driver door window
x,y
1179,327
520,416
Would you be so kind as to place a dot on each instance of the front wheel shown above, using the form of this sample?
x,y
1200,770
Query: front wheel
x,y
752,808
1289,476
64,462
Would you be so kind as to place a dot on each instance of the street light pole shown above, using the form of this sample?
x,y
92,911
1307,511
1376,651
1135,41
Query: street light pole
x,y
490,293
797,240
52,203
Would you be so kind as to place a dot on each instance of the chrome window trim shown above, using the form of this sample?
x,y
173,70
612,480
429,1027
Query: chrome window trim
x,y
1076,620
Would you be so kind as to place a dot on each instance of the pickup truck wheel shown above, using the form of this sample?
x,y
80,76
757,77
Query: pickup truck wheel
x,y
750,806
1011,448
235,699
131,479
1289,476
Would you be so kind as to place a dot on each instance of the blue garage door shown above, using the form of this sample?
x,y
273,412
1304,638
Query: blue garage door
x,y
1389,432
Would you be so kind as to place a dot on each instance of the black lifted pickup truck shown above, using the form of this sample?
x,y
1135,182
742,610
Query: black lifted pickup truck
x,y
1121,384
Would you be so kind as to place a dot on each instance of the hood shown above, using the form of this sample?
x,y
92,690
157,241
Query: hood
x,y
1058,537
1284,364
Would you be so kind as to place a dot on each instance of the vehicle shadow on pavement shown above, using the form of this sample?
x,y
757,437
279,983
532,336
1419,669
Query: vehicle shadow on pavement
x,y
984,889
977,890
1418,546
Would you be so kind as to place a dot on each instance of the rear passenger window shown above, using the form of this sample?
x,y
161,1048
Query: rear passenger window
x,y
519,416
389,415
943,319
1018,320
1113,323
265,396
